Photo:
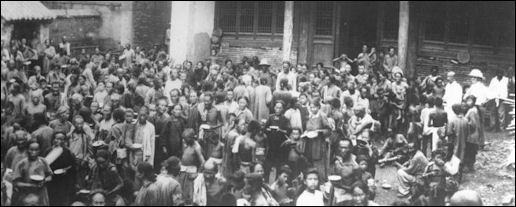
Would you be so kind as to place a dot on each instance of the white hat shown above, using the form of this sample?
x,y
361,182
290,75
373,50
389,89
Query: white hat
x,y
451,74
476,73
264,62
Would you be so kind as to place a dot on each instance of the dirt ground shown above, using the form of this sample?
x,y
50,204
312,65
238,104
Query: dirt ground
x,y
493,183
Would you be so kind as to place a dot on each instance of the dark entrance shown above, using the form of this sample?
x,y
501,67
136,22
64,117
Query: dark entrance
x,y
358,26
25,29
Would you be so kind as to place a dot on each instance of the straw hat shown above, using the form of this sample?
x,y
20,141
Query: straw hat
x,y
476,73
264,62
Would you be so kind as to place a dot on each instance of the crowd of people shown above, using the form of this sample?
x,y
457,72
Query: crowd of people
x,y
137,128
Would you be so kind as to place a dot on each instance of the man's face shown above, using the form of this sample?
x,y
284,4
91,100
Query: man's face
x,y
59,139
311,181
106,111
35,99
33,150
450,78
302,100
193,97
162,106
283,178
55,89
143,115
345,148
20,138
101,162
412,148
295,135
207,101
391,51
79,123
285,67
129,117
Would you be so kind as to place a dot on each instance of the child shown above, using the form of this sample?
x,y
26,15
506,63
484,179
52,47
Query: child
x,y
433,180
366,177
311,196
476,137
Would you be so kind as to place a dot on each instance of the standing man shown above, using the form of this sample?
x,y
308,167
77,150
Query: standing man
x,y
498,89
390,60
145,135
452,94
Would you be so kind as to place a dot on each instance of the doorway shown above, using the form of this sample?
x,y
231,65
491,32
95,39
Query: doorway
x,y
25,29
358,25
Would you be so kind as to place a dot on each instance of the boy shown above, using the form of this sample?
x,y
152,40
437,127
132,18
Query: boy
x,y
476,137
366,177
433,181
311,196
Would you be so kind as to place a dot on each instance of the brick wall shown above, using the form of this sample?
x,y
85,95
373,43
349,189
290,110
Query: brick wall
x,y
76,30
235,51
150,22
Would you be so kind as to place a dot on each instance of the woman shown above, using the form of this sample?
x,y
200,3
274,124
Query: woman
x,y
26,170
62,163
277,126
317,148
230,102
243,111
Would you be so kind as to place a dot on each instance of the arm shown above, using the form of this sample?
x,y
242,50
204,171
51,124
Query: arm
x,y
198,152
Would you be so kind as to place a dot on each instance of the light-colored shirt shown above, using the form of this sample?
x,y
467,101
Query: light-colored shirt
x,y
452,93
145,135
498,88
291,77
310,199
480,91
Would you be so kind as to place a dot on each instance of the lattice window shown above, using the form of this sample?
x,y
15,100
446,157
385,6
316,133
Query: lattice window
x,y
280,16
251,17
227,15
324,18
265,17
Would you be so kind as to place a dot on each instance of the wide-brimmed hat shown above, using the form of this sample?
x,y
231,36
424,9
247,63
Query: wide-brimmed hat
x,y
476,73
264,62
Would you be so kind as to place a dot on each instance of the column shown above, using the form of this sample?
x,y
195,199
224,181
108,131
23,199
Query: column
x,y
191,26
403,35
287,29
126,23
179,30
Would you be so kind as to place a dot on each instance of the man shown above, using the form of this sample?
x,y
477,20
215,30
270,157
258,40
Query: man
x,y
43,133
346,167
477,88
191,160
170,192
279,189
212,117
171,139
311,196
452,94
408,172
286,74
55,99
208,188
18,152
390,60
429,81
145,135
80,146
159,120
498,89
359,122
128,56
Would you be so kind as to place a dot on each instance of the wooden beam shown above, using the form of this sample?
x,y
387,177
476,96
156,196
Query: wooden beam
x,y
302,52
288,26
403,35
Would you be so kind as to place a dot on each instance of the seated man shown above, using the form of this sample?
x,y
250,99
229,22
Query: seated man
x,y
408,172
394,150
431,186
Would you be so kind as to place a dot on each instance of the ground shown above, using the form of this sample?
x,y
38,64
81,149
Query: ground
x,y
494,184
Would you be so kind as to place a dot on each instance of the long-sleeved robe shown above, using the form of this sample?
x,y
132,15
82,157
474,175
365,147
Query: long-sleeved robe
x,y
263,96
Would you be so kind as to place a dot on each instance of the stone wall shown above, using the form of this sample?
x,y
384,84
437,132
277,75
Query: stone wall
x,y
150,21
237,49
